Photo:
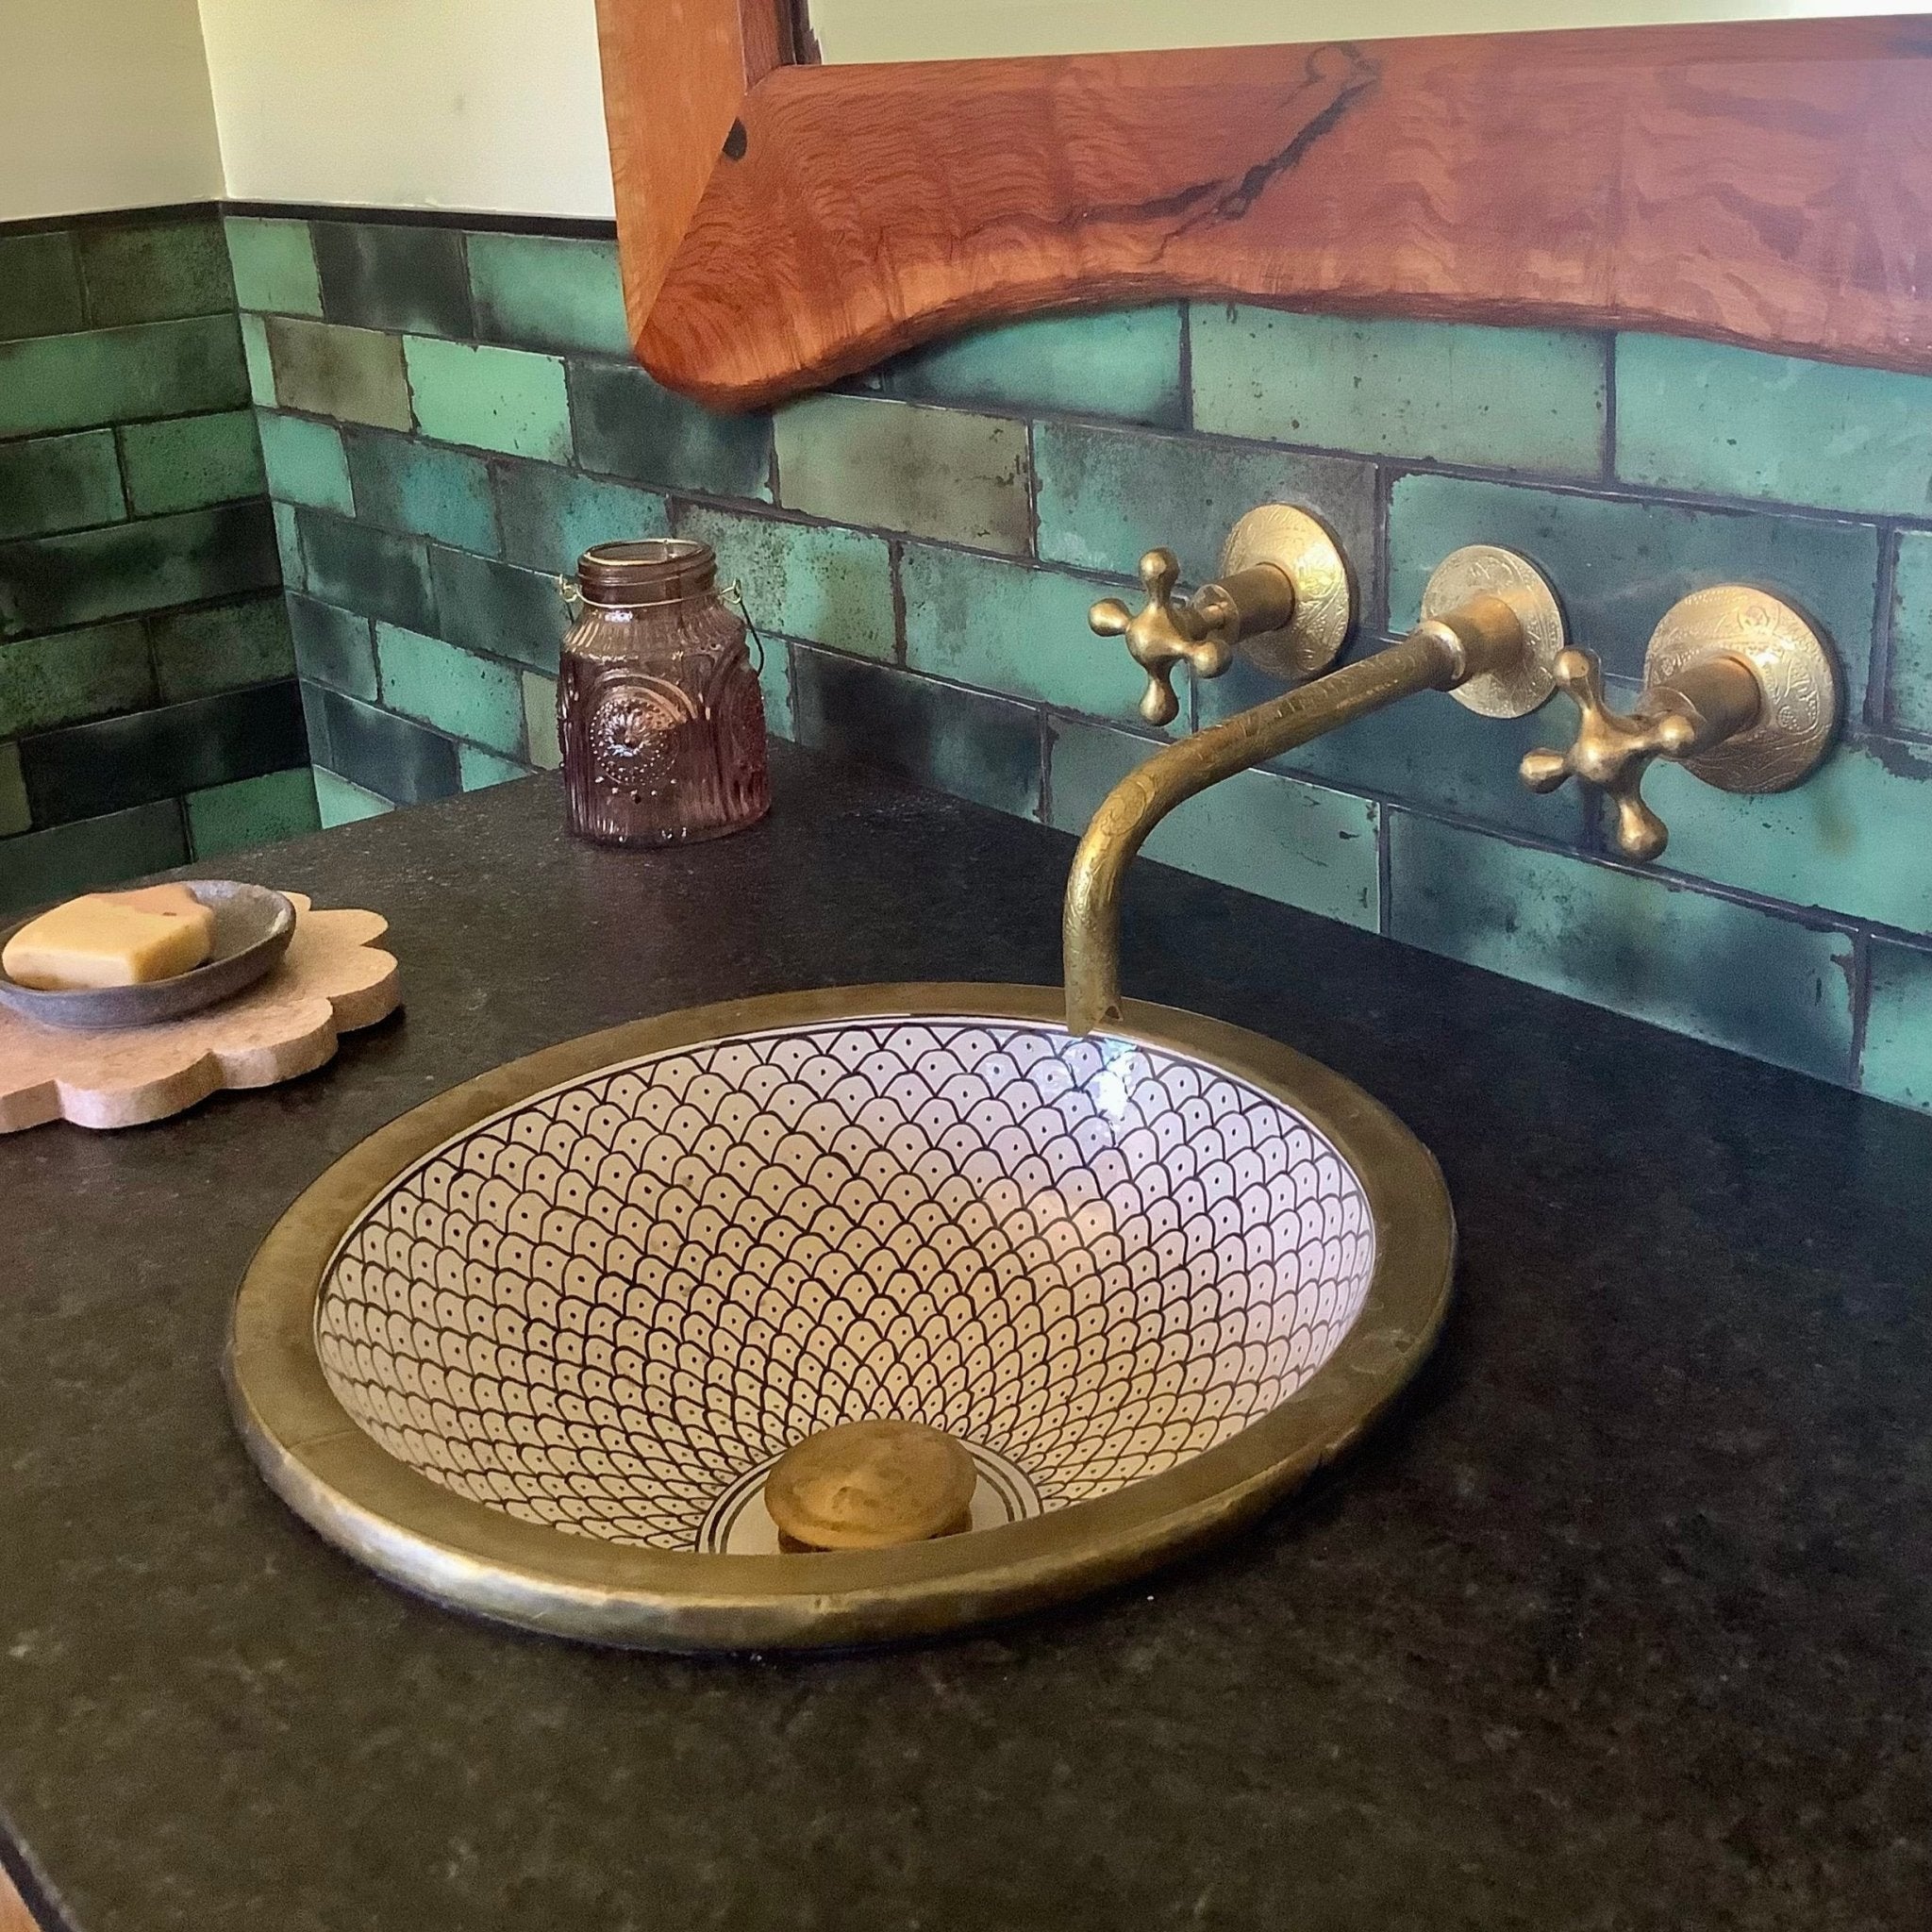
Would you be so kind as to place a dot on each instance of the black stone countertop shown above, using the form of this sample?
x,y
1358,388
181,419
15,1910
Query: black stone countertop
x,y
1624,1620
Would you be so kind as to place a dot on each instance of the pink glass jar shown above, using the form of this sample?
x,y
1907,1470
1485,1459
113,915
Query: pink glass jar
x,y
658,711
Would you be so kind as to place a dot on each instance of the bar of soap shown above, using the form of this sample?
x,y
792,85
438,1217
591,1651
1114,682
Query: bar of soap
x,y
177,902
111,939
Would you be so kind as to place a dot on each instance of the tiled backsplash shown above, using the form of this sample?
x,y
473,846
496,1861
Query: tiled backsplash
x,y
449,417
148,707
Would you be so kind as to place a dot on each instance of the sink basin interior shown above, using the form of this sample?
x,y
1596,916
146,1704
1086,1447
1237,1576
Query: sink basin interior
x,y
608,1308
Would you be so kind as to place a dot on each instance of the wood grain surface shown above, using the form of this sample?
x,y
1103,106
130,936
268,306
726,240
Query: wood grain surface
x,y
14,1916
674,74
1765,183
330,981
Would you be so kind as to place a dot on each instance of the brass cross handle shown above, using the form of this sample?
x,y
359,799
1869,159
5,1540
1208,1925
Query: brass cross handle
x,y
1613,749
1165,634
1738,688
1284,596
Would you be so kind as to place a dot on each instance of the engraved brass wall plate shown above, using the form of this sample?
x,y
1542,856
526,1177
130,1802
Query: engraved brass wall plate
x,y
1480,568
1797,681
1306,553
531,1350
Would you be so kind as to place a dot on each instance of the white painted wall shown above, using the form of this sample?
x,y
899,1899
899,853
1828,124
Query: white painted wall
x,y
490,105
978,29
107,106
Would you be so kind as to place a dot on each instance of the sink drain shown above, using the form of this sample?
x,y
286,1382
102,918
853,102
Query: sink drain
x,y
739,1522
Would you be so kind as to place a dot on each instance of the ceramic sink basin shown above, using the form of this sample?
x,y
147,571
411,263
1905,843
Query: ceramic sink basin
x,y
533,1349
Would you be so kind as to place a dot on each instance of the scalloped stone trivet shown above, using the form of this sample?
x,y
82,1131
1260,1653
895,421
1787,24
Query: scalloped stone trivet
x,y
330,982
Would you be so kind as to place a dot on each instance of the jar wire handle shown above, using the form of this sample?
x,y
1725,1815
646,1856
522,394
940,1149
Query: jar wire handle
x,y
737,597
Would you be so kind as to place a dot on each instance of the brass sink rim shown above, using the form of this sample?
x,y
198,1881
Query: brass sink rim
x,y
467,1556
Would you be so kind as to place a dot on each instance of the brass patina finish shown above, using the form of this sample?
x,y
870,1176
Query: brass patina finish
x,y
471,1557
1491,636
1738,688
871,1486
1284,597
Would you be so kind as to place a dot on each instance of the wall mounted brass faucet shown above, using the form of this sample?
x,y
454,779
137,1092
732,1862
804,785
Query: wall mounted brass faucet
x,y
1491,632
1736,688
1284,598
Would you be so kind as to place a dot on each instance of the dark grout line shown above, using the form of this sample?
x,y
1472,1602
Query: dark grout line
x,y
1884,624
1608,473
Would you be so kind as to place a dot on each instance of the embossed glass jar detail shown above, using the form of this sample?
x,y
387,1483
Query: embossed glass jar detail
x,y
658,711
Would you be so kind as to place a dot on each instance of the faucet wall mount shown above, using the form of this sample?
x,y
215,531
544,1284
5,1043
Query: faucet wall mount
x,y
1517,682
1283,598
1738,688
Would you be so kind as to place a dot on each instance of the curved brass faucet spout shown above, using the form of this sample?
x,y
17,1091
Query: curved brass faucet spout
x,y
1485,636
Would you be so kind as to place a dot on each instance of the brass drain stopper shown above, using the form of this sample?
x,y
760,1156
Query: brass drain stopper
x,y
869,1485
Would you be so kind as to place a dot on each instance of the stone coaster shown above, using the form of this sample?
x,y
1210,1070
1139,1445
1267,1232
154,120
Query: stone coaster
x,y
330,982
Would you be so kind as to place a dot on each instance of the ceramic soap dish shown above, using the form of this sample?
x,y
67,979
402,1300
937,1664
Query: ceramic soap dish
x,y
253,927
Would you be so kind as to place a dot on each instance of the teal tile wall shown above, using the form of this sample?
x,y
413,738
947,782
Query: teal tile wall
x,y
148,710
447,424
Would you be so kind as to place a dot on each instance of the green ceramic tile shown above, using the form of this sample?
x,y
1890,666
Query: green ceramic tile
x,y
458,693
550,516
1006,627
480,770
90,852
1839,841
261,365
84,770
1124,362
274,263
1699,416
1632,941
288,547
155,271
497,609
386,752
548,292
1298,844
60,483
959,741
1896,1063
1450,393
333,648
354,375
1107,497
359,568
190,461
393,274
196,556
1909,701
338,803
305,462
439,492
224,647
251,811
539,721
628,426
121,374
501,399
932,472
40,286
1427,751
1619,565
16,815
74,674
804,580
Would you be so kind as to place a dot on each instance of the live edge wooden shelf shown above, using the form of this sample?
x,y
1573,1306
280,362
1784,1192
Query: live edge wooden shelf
x,y
784,224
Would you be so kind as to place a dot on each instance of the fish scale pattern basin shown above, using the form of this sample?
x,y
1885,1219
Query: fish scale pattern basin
x,y
601,1310
534,1348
